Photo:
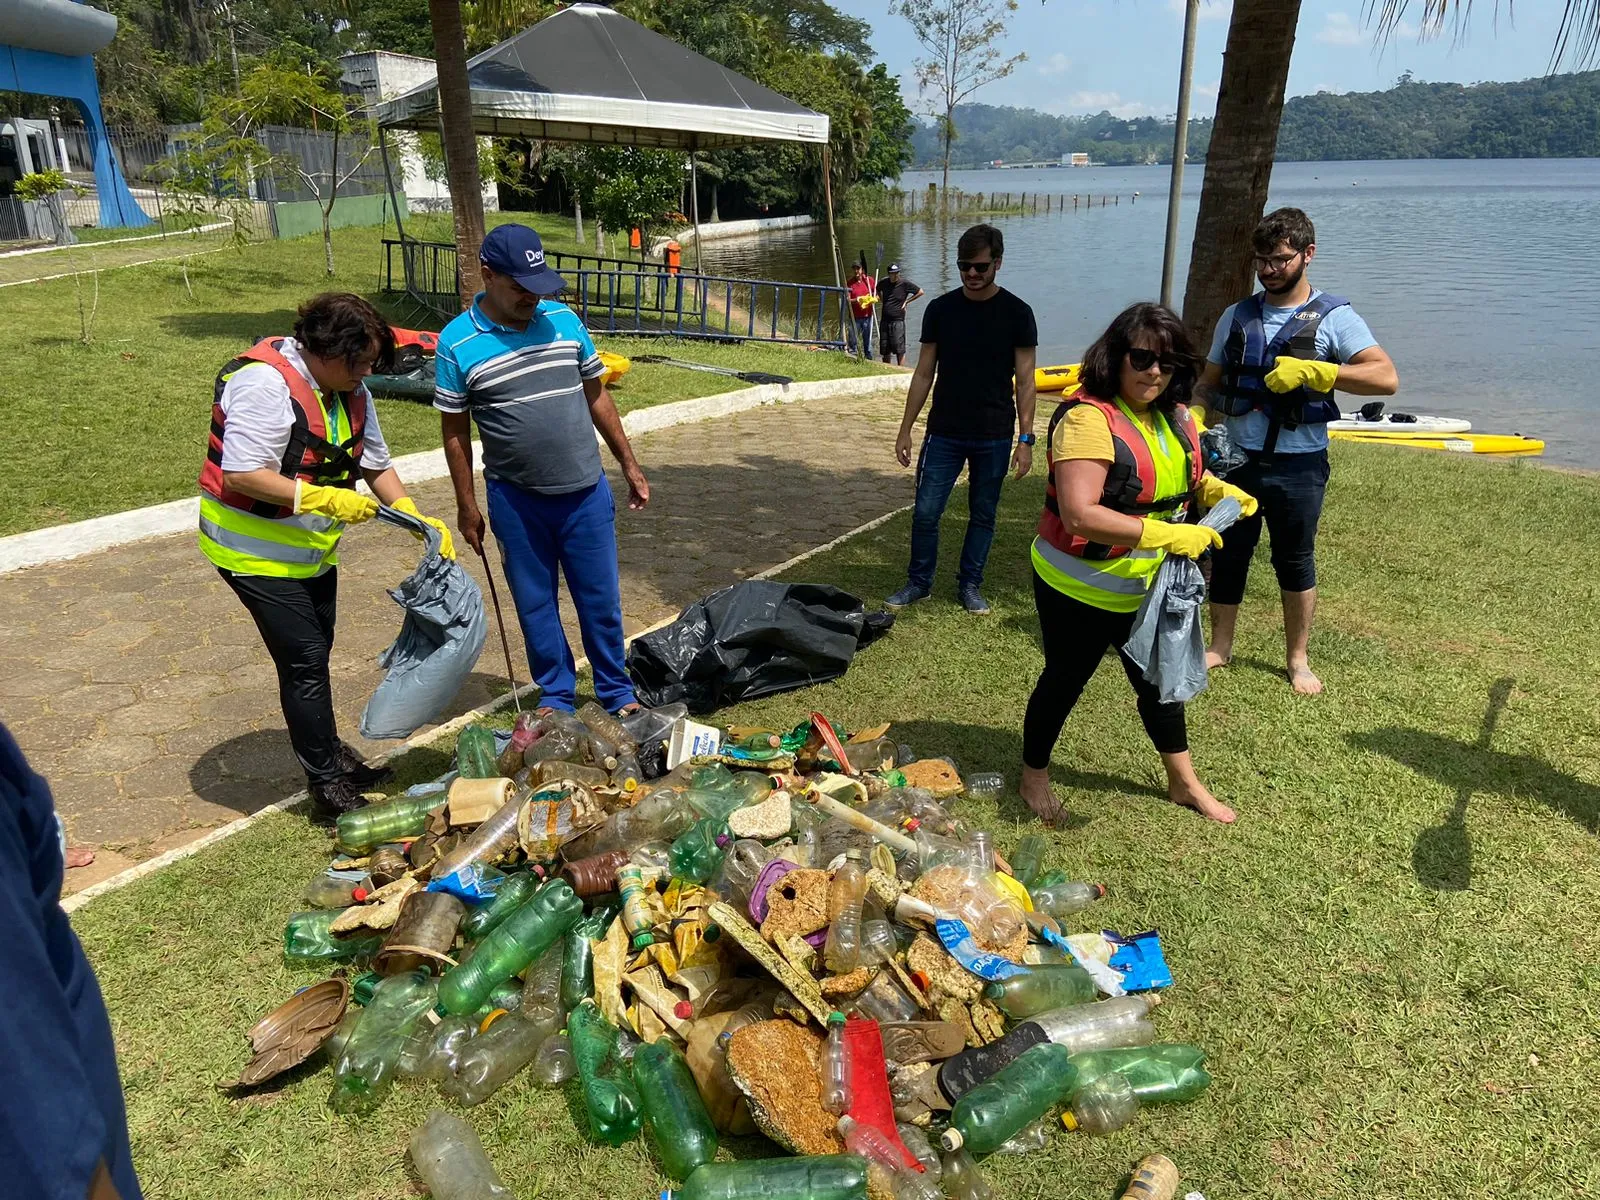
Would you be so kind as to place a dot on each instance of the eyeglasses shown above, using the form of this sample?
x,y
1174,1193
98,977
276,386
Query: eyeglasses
x,y
1271,265
1143,360
968,266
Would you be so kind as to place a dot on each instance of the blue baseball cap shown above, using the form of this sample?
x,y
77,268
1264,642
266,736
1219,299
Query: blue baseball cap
x,y
516,250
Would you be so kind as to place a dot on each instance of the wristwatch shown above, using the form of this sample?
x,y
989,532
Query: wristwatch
x,y
1025,439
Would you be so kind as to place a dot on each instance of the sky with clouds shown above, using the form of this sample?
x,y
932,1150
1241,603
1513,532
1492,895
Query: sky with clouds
x,y
1122,55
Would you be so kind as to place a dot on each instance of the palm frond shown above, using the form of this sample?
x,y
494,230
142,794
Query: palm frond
x,y
1577,39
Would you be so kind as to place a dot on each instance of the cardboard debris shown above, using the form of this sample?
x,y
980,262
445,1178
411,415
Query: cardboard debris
x,y
382,909
801,985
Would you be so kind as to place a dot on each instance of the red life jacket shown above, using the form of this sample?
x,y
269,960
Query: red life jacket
x,y
309,456
1130,482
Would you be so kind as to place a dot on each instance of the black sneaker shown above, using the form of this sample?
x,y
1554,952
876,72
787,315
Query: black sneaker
x,y
329,800
357,771
972,601
909,594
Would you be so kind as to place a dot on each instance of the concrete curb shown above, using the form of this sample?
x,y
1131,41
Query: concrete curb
x,y
61,543
150,866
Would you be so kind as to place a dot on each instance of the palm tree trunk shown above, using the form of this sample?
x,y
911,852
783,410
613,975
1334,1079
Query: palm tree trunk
x,y
1244,141
459,144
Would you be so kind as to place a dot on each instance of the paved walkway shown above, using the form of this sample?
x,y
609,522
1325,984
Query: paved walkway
x,y
138,685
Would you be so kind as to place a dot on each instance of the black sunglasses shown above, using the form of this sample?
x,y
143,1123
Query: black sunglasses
x,y
964,265
1143,360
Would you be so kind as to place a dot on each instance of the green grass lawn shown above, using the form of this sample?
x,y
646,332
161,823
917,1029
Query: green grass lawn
x,y
121,422
1392,958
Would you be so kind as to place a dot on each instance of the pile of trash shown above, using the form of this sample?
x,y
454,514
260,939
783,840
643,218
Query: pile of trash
x,y
723,931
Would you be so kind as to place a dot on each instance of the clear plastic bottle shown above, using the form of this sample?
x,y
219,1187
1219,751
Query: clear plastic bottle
x,y
609,1093
746,860
528,932
494,1057
1062,899
1102,1025
625,777
1027,860
451,1162
541,989
980,845
962,1178
680,1127
991,1113
448,1039
916,1141
366,1068
833,1068
557,743
984,784
661,816
389,821
848,889
878,943
819,1177
522,736
327,890
600,722
514,890
1029,1138
308,939
491,841
1044,987
653,724
1102,1105
553,1065
874,1146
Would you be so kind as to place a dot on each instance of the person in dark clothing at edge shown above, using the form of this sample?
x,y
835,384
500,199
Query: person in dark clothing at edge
x,y
64,1135
895,296
1276,359
976,340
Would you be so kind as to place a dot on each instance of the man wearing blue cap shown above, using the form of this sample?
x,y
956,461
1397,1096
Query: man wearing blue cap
x,y
521,364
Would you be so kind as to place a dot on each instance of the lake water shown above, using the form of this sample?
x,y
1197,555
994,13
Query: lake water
x,y
1451,263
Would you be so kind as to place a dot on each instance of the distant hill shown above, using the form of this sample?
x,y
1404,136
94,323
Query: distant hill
x,y
1553,117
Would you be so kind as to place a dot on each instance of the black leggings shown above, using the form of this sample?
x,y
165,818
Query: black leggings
x,y
1076,637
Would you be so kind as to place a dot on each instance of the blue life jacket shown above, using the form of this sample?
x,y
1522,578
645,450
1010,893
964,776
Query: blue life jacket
x,y
1248,356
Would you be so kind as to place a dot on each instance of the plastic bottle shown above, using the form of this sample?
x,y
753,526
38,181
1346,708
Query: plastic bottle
x,y
653,724
556,743
553,1064
541,992
609,1094
697,853
389,821
819,1177
1103,1025
1044,987
327,890
1170,1073
744,863
599,721
491,841
446,1041
636,918
522,736
653,857
1028,858
506,995
873,1146
514,890
366,1068
1029,1138
984,1118
916,1141
661,815
962,1179
307,939
626,777
451,1163
980,845
878,944
475,753
833,1068
842,952
492,1058
1102,1105
577,958
679,1124
1061,899
530,930
984,784
557,770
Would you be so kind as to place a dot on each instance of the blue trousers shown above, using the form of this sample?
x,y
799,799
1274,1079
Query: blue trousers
x,y
937,469
577,532
863,335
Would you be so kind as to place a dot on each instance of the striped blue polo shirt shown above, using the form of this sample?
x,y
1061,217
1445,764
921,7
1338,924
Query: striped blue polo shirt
x,y
524,388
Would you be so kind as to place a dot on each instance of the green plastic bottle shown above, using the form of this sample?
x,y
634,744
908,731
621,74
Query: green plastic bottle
x,y
696,854
991,1114
1169,1073
680,1126
1028,858
367,1065
388,821
475,754
577,958
528,932
1049,879
821,1177
1047,986
609,1093
308,940
513,891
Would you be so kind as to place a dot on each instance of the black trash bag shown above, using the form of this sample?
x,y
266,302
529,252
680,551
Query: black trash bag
x,y
753,639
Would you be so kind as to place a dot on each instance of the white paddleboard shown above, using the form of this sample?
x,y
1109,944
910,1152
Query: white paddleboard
x,y
1422,427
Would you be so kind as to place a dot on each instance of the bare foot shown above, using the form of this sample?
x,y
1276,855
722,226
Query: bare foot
x,y
1034,788
79,856
1216,658
1303,681
1195,796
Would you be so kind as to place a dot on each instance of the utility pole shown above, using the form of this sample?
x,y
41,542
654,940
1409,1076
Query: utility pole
x,y
1180,149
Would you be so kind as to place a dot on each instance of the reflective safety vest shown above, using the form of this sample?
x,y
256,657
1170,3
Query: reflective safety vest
x,y
1154,473
254,537
1248,356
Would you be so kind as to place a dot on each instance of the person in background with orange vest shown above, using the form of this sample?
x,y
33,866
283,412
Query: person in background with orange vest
x,y
863,291
292,429
1125,467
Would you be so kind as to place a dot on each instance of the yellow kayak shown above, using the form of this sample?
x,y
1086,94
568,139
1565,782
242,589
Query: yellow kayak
x,y
616,367
1462,443
1056,379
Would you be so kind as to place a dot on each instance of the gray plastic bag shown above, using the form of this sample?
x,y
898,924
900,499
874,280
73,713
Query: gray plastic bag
x,y
1166,642
439,643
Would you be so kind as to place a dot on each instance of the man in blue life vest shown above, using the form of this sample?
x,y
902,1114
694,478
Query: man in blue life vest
x,y
1276,359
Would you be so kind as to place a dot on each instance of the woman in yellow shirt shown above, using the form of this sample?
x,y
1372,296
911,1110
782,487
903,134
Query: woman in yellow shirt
x,y
1125,466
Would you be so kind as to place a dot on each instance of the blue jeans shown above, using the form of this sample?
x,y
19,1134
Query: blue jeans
x,y
577,531
863,335
938,466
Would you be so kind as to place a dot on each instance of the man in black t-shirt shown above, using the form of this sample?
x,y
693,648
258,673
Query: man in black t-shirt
x,y
976,340
895,295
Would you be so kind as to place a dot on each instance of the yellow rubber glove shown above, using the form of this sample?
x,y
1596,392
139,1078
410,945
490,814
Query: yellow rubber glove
x,y
1212,490
1290,373
447,546
342,504
1190,541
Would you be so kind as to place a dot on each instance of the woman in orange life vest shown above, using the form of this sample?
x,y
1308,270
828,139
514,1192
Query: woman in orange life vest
x,y
1125,467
